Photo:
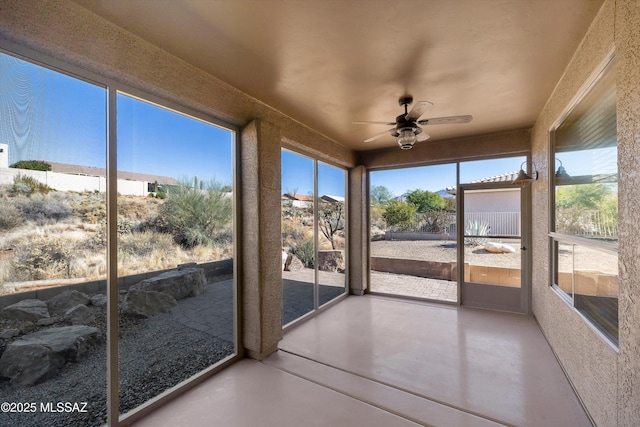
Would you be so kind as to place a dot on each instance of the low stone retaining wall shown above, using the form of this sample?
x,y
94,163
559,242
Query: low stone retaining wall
x,y
494,275
404,235
45,289
590,282
593,283
413,267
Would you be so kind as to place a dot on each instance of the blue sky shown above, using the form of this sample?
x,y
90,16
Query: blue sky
x,y
297,176
45,115
438,177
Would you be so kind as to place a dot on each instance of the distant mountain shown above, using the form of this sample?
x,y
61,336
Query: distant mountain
x,y
444,194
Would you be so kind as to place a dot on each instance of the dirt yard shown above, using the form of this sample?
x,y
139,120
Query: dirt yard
x,y
445,251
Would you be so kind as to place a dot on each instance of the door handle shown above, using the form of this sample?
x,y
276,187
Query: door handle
x,y
523,248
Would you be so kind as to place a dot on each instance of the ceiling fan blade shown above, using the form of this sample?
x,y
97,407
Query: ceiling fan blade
x,y
422,136
379,135
419,109
374,123
446,120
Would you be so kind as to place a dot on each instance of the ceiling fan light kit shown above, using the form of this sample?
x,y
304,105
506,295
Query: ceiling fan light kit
x,y
406,139
407,130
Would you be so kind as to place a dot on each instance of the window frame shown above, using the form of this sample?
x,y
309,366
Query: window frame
x,y
554,237
317,306
113,88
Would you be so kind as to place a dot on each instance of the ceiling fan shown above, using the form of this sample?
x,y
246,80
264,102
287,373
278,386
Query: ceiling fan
x,y
407,126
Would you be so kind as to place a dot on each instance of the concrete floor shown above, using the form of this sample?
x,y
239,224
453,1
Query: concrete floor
x,y
413,286
378,361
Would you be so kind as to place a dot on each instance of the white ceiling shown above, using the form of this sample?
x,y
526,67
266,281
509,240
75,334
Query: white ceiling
x,y
327,63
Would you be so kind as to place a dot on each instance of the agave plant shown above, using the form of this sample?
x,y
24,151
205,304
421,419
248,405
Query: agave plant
x,y
476,228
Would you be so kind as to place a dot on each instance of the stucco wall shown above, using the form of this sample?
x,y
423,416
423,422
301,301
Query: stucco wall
x,y
607,382
508,143
627,37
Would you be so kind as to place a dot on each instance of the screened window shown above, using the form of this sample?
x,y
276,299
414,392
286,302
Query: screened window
x,y
171,272
585,220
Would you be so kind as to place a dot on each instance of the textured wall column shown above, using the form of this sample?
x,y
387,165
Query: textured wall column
x,y
261,248
358,231
627,40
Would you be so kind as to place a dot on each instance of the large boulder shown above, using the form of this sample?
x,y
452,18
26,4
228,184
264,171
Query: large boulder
x,y
182,283
145,304
37,357
331,261
59,304
498,248
293,263
99,300
27,310
79,315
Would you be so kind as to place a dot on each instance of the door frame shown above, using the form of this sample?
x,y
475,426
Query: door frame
x,y
489,296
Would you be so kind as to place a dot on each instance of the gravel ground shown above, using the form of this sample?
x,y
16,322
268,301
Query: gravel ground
x,y
155,354
445,251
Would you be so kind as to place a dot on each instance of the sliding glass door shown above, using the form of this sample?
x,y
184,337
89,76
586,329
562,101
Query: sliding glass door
x,y
313,235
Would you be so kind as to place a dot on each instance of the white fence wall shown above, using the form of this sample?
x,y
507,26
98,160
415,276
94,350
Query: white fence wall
x,y
79,183
501,223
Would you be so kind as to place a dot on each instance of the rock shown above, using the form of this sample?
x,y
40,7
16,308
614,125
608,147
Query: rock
x,y
187,282
60,303
9,333
99,300
145,304
79,315
46,322
498,248
331,261
37,357
293,263
30,310
27,327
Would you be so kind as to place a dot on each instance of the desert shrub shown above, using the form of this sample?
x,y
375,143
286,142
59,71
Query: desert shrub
x,y
92,208
161,195
41,209
36,165
305,251
125,226
376,216
24,184
144,243
436,221
292,230
195,214
42,257
10,216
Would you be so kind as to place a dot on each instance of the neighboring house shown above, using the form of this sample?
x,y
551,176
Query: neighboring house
x,y
302,201
298,200
332,199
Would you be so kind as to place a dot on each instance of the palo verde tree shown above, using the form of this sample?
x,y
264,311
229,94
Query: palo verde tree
x,y
196,212
331,219
380,194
